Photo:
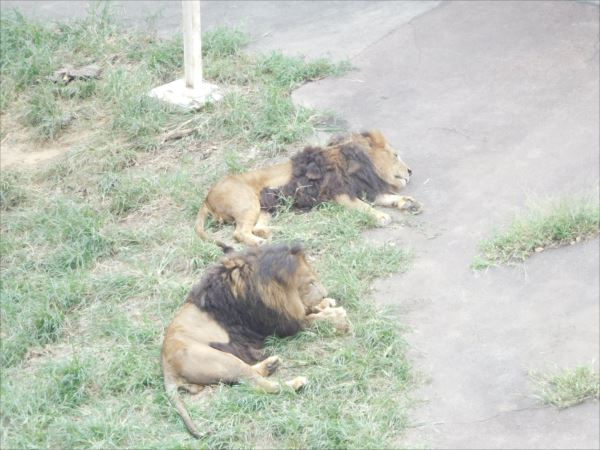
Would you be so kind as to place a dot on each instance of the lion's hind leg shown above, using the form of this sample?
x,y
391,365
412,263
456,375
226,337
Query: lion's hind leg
x,y
192,388
267,366
245,223
245,214
262,228
271,387
206,365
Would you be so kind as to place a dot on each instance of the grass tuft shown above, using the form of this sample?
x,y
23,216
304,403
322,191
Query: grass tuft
x,y
44,113
12,193
289,72
223,42
125,194
557,223
567,387
26,49
139,117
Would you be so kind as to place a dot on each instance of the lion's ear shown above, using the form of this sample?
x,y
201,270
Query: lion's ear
x,y
297,249
337,139
231,263
376,137
227,262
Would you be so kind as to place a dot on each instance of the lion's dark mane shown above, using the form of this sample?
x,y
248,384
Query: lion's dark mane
x,y
246,318
319,175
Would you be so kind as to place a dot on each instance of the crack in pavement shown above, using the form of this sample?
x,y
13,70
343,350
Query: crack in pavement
x,y
468,422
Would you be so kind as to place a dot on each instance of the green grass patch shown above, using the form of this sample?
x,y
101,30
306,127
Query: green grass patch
x,y
290,72
12,191
223,42
98,250
554,224
137,116
44,114
567,387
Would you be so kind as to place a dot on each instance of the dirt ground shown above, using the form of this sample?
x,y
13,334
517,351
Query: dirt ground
x,y
18,149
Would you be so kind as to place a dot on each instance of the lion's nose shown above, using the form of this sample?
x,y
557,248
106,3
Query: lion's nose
x,y
409,172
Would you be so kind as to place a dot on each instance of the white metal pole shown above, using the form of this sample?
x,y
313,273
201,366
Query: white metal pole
x,y
192,43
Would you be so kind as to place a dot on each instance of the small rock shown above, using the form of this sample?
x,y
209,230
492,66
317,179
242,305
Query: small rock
x,y
68,73
66,119
539,249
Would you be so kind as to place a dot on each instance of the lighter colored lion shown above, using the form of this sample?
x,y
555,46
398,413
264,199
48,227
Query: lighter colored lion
x,y
349,171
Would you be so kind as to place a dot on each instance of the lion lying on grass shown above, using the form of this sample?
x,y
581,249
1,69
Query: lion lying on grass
x,y
218,333
346,171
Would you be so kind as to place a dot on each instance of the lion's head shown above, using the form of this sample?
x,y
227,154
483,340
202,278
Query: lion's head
x,y
239,302
266,290
386,160
288,267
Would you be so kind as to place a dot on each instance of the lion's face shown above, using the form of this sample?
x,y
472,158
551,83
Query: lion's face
x,y
386,160
287,267
310,287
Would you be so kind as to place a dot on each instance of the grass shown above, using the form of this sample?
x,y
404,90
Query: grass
x,y
44,114
556,223
97,250
567,387
12,193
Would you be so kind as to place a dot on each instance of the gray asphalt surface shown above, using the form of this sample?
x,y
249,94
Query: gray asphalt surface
x,y
494,105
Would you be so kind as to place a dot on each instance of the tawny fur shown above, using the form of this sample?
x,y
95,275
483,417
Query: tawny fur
x,y
350,169
218,334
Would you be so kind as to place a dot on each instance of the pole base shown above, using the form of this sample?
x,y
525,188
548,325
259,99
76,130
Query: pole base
x,y
178,94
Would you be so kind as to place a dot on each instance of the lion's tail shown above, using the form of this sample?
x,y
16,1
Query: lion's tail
x,y
173,393
200,231
202,215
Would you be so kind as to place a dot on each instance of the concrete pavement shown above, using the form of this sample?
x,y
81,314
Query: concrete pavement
x,y
493,104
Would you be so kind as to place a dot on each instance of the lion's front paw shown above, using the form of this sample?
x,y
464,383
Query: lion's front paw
x,y
338,317
297,383
331,302
326,303
382,218
410,205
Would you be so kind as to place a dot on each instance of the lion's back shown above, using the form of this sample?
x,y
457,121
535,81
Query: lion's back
x,y
322,174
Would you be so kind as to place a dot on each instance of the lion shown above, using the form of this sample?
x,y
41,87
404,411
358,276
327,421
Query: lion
x,y
218,333
350,169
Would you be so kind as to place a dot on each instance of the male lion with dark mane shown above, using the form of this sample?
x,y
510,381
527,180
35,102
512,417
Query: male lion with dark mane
x,y
217,335
350,169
